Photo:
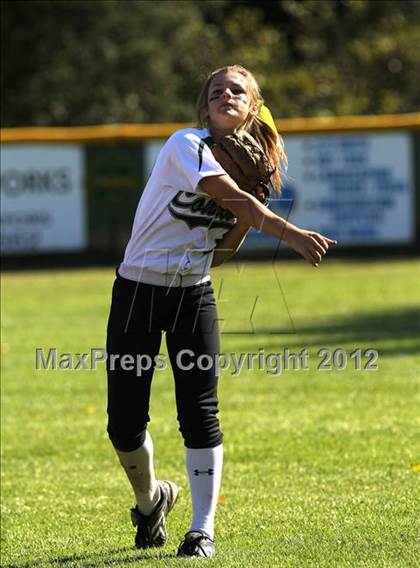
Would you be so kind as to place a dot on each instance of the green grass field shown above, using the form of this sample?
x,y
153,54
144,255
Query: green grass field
x,y
320,466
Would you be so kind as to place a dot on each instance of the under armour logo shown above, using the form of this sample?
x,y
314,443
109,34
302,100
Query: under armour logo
x,y
209,471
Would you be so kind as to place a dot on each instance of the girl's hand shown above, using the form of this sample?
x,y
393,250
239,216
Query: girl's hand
x,y
311,245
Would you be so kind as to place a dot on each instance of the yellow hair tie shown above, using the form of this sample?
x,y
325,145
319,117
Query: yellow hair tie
x,y
265,115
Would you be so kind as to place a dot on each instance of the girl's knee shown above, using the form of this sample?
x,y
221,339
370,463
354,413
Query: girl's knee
x,y
125,439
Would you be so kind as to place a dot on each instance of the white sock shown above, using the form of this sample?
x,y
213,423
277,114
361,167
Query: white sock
x,y
138,466
204,467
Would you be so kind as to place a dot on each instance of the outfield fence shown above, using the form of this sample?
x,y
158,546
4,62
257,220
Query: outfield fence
x,y
75,189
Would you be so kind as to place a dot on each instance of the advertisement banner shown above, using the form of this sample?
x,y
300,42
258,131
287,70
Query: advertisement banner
x,y
42,198
358,189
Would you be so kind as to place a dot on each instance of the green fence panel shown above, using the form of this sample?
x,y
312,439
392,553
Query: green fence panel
x,y
114,182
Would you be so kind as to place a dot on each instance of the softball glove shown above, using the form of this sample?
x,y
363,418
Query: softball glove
x,y
243,159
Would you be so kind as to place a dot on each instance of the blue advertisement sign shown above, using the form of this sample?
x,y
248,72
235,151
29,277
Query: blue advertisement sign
x,y
358,189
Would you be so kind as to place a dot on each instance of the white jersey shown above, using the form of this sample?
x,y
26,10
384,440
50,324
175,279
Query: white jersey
x,y
177,224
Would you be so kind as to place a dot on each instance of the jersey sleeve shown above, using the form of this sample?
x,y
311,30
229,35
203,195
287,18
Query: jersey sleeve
x,y
192,159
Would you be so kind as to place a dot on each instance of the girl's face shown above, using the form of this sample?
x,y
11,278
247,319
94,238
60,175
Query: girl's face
x,y
229,101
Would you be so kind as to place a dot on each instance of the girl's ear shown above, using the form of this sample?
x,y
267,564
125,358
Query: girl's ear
x,y
254,108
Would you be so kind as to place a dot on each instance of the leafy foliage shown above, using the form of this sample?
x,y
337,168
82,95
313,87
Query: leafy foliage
x,y
68,62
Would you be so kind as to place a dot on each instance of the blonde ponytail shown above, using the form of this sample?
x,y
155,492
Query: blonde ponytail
x,y
272,144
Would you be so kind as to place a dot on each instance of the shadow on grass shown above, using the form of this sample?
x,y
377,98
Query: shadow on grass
x,y
361,329
94,560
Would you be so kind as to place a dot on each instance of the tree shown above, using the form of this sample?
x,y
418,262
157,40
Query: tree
x,y
68,62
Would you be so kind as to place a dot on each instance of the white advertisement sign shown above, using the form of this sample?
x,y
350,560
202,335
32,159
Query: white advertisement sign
x,y
42,198
357,188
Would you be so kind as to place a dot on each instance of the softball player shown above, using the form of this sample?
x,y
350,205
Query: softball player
x,y
191,216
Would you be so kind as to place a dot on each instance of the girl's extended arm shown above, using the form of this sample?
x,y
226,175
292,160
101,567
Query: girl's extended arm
x,y
229,244
251,212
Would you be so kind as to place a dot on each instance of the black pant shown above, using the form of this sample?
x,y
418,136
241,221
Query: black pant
x,y
139,313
